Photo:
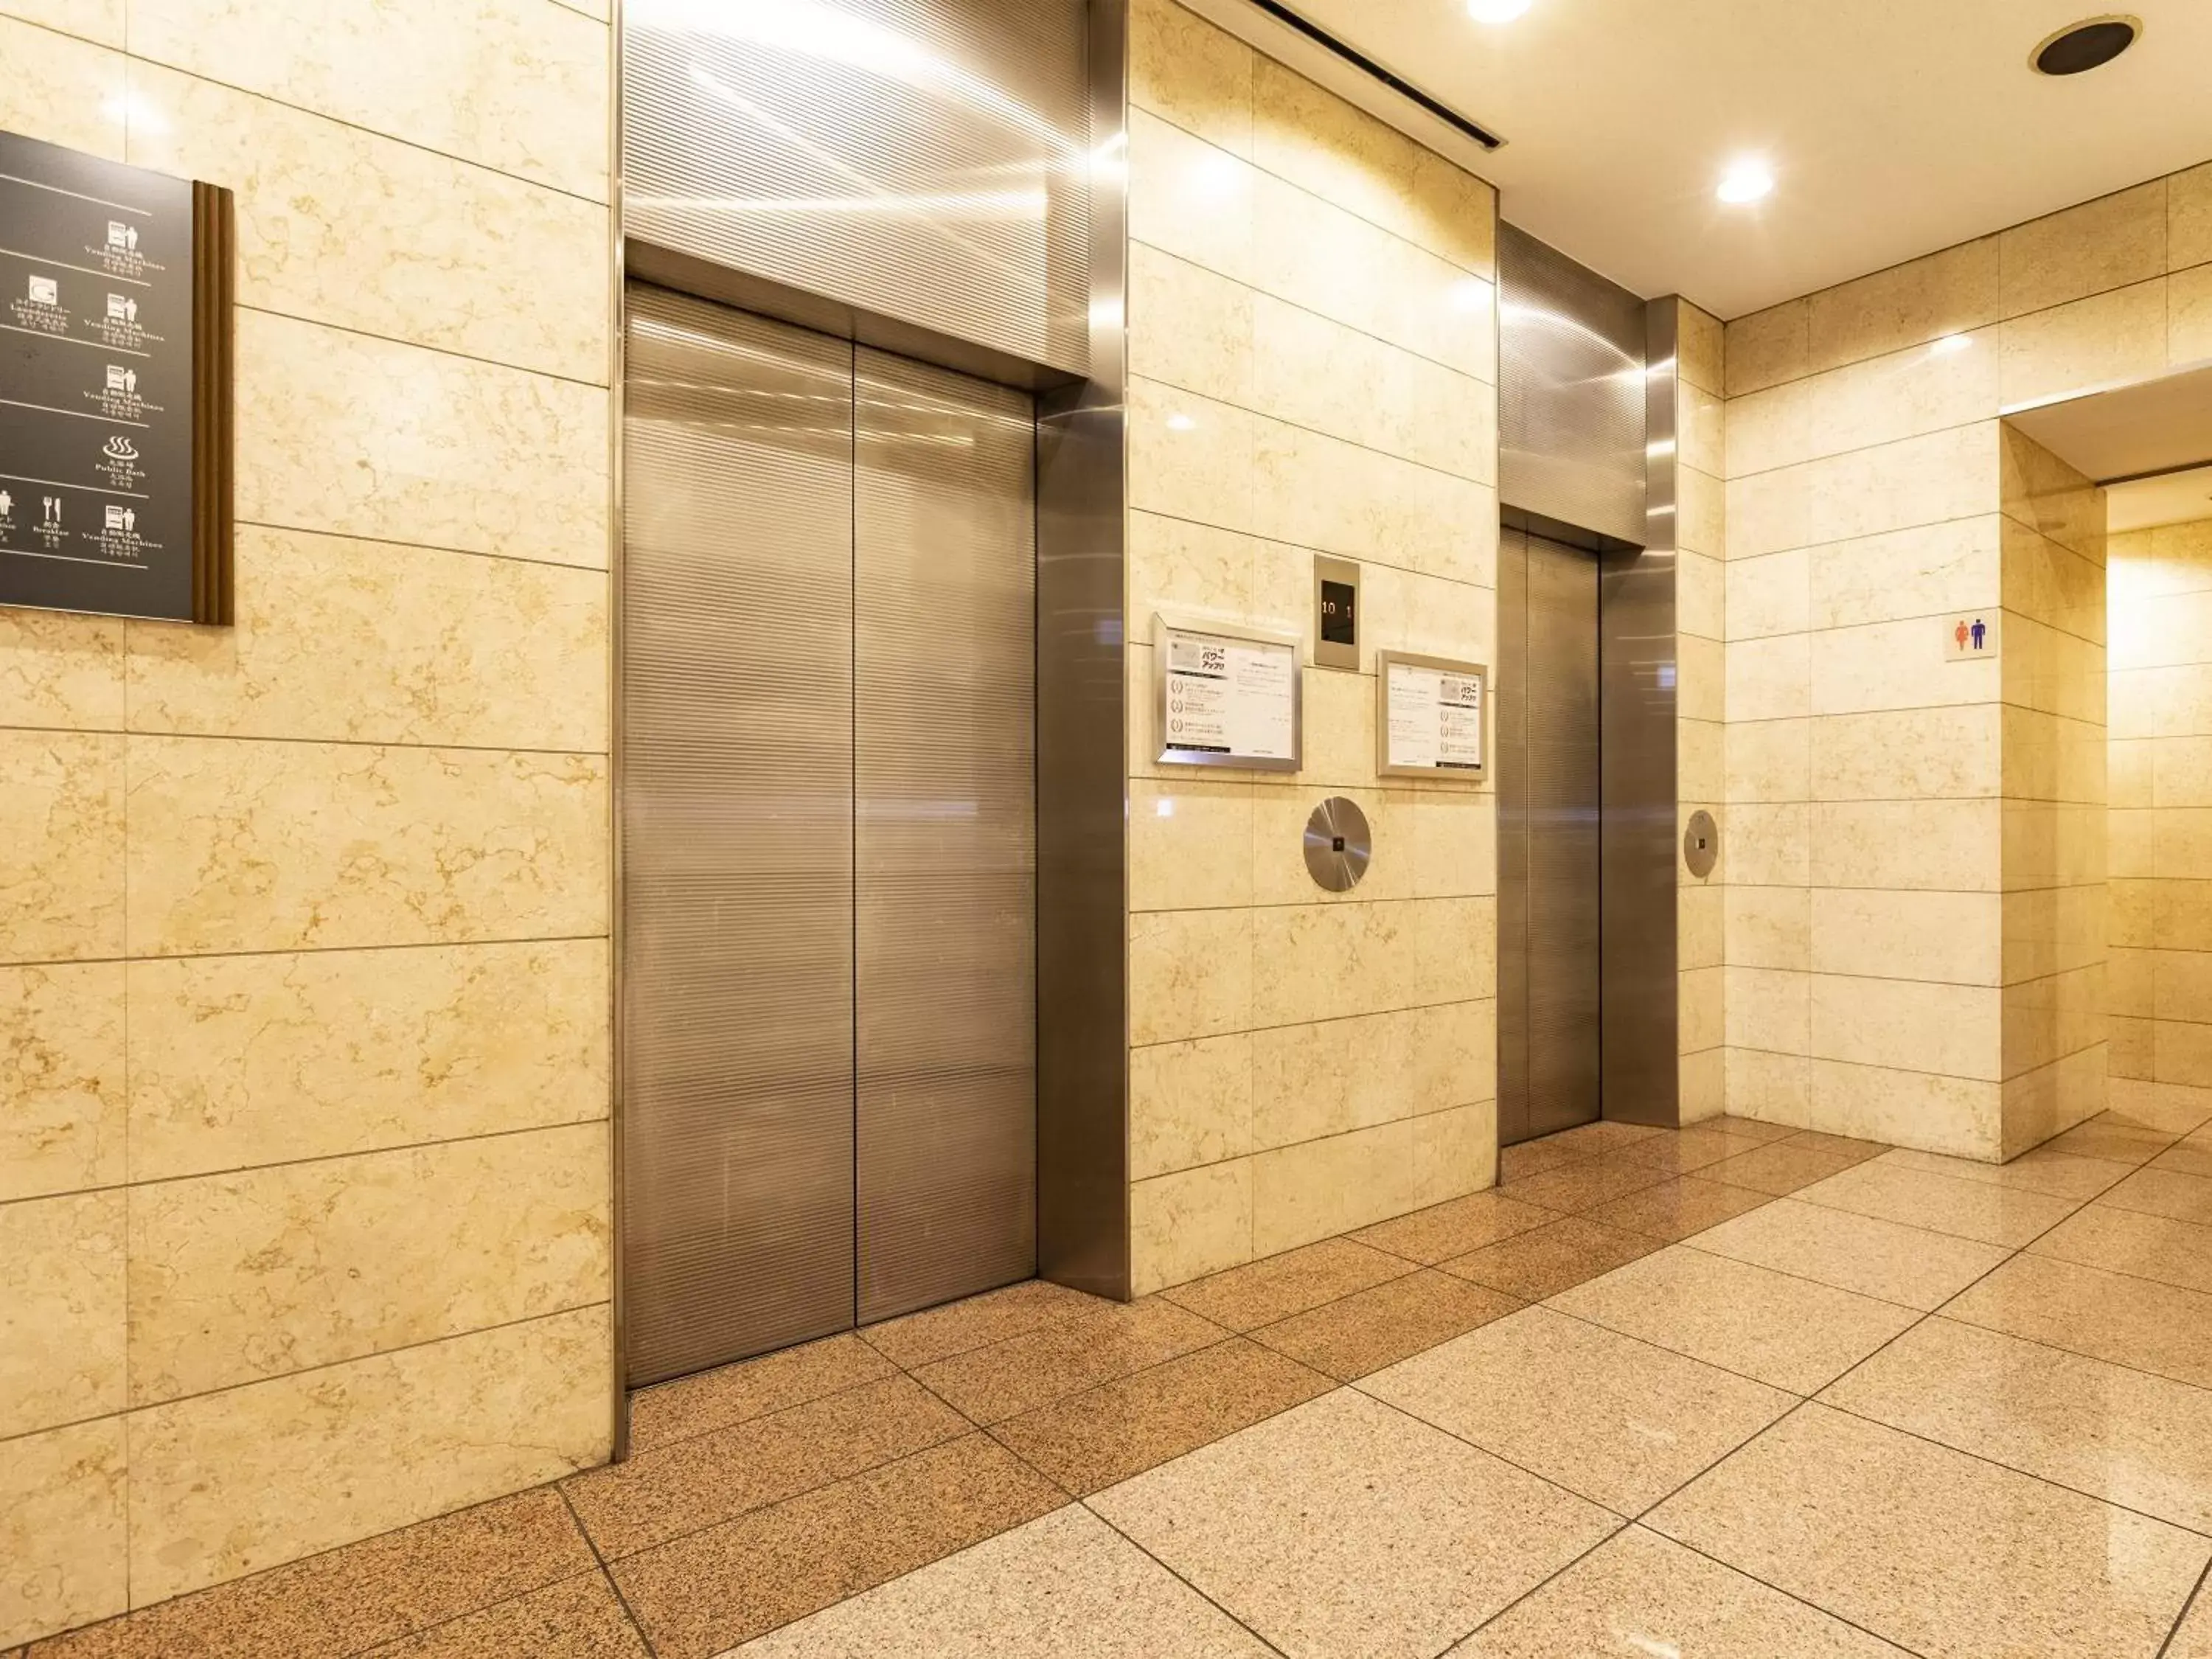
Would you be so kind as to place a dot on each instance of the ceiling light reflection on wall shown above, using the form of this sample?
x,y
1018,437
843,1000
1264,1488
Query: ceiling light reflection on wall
x,y
1746,180
1179,423
1496,11
1949,344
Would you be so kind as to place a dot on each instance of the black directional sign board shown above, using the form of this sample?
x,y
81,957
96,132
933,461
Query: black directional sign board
x,y
114,387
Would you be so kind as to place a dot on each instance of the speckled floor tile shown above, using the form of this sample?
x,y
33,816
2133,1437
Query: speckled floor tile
x,y
694,1483
1447,1230
1585,1139
1780,1166
1965,1209
1750,1128
1788,1332
1377,1327
1528,1157
1547,1260
1261,1293
2055,1174
1675,1209
378,1590
730,1394
1638,1595
1062,1585
1585,1183
2141,1442
2165,1191
2192,1638
2190,1156
940,1333
576,1619
1848,1146
1861,1253
1093,1346
1688,1149
2174,1108
2130,1321
1091,1440
1615,1419
714,1589
2125,1242
2107,1137
1346,1529
1941,1553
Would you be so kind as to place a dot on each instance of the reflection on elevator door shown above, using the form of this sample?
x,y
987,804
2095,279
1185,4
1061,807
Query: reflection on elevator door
x,y
828,812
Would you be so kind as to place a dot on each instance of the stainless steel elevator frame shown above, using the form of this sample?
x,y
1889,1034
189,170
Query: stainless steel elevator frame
x,y
1082,1013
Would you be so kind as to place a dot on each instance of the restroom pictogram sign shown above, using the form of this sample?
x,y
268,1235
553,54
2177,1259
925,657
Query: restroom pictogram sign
x,y
1971,636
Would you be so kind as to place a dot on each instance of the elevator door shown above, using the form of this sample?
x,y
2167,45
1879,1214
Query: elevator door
x,y
828,813
1547,808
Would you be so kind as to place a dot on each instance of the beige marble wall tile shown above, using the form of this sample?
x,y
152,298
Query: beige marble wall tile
x,y
2168,632
63,1555
1700,596
1768,512
237,1060
1700,762
1951,474
1278,864
1769,760
2048,495
1190,1103
2052,583
1185,1225
1320,142
58,670
1701,1082
1769,927
2091,343
514,84
1320,492
1951,292
1190,975
1189,327
248,846
1768,347
1190,198
1339,736
1185,70
61,88
466,259
1701,678
61,846
1454,950
1319,257
1913,754
61,1311
1898,665
229,1482
62,1112
1406,610
1700,512
1700,1010
97,20
1957,1030
1769,679
1769,1087
2103,244
1768,595
359,436
1327,1076
234,1278
1323,1188
1455,843
1959,1117
1455,1153
1190,844
1190,458
1771,428
1956,939
1922,570
1451,1052
1701,429
2160,703
2188,217
2052,1099
1767,845
1312,372
1767,1008
1331,960
2188,316
1920,846
1698,350
363,642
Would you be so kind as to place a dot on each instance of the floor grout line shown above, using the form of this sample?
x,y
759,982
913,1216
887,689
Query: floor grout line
x,y
607,1573
2195,1598
1137,1545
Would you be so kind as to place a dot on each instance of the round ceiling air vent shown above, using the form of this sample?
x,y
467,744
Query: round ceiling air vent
x,y
2088,44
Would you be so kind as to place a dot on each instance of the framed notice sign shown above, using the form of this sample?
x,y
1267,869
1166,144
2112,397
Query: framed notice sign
x,y
1430,716
115,387
1226,697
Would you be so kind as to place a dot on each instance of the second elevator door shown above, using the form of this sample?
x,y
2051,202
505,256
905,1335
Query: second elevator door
x,y
1548,806
828,827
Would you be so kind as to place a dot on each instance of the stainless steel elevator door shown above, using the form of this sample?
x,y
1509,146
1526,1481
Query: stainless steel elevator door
x,y
946,781
737,785
1548,805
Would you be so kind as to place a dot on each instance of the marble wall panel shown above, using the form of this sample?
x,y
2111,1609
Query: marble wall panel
x,y
63,1556
1320,1188
2107,243
62,846
61,1311
1184,1225
1190,1103
1187,72
61,671
63,1112
62,89
1955,291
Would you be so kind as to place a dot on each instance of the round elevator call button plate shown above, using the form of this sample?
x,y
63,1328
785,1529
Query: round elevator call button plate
x,y
1338,844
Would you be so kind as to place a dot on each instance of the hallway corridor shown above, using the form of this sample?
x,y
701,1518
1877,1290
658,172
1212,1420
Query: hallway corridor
x,y
1727,1393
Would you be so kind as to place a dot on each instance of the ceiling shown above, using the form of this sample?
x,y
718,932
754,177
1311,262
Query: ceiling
x,y
1893,127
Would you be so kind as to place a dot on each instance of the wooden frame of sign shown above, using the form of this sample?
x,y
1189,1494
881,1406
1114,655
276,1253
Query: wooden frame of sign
x,y
116,387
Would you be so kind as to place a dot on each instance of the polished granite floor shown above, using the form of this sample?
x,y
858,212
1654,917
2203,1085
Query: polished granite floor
x,y
1734,1393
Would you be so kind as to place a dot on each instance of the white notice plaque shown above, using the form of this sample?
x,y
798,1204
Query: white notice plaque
x,y
1430,720
1227,699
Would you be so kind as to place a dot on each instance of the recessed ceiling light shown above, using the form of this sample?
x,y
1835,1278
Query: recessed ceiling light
x,y
1496,11
2090,43
1744,181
